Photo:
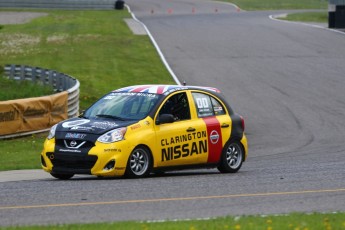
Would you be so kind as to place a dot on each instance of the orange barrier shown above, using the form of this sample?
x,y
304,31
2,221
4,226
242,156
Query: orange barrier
x,y
24,115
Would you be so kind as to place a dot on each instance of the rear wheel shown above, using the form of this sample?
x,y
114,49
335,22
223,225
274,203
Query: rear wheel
x,y
139,163
232,157
62,176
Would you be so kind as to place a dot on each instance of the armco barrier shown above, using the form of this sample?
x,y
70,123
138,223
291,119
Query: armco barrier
x,y
59,4
25,116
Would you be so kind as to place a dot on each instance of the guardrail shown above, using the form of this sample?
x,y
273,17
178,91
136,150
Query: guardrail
x,y
59,4
59,81
21,117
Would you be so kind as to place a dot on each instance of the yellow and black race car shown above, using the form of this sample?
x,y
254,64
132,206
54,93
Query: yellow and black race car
x,y
137,130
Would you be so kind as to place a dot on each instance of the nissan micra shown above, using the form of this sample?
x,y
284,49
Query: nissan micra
x,y
138,130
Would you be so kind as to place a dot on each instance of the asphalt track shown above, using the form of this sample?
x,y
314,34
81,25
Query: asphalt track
x,y
287,80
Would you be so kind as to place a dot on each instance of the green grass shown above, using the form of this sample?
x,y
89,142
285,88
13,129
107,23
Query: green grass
x,y
24,89
96,47
23,153
320,17
278,5
295,221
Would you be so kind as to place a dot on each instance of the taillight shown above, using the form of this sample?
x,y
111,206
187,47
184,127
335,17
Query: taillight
x,y
242,123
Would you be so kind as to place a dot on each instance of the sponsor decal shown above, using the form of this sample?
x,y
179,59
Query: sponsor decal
x,y
82,128
203,106
174,89
58,109
137,126
214,137
32,112
112,150
70,124
218,109
185,150
183,138
181,146
75,135
137,94
7,116
104,125
109,97
70,150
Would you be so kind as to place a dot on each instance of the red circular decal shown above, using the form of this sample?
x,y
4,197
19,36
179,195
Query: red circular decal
x,y
214,137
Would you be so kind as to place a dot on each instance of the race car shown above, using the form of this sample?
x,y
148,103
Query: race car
x,y
143,129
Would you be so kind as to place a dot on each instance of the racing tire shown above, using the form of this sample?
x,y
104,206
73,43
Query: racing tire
x,y
62,176
139,163
232,157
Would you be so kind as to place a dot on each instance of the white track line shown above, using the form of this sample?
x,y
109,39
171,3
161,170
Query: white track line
x,y
274,18
156,46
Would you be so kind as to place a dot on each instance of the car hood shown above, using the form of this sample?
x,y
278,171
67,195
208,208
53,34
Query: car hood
x,y
96,126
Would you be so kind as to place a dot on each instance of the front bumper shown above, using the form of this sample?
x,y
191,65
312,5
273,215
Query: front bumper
x,y
106,160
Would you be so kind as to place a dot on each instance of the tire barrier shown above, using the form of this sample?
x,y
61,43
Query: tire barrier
x,y
32,115
59,4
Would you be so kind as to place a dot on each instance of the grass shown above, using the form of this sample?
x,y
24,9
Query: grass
x,y
295,221
320,17
24,89
22,153
96,47
279,5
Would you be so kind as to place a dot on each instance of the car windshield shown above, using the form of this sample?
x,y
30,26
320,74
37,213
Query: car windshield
x,y
123,106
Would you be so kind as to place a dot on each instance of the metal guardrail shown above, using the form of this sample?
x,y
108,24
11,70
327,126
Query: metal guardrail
x,y
59,81
337,2
59,4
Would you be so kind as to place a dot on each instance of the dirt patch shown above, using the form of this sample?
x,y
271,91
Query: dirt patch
x,y
18,17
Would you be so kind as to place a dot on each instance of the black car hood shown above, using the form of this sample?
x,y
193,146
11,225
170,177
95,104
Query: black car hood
x,y
96,126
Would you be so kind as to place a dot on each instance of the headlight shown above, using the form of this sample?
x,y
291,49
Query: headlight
x,y
52,132
113,136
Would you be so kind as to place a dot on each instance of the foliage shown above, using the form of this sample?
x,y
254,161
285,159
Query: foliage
x,y
278,5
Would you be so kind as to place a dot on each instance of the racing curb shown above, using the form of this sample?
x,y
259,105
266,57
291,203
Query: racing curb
x,y
323,26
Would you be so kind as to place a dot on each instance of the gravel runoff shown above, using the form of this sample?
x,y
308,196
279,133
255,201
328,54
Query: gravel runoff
x,y
18,17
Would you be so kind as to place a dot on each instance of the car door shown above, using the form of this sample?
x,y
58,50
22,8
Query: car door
x,y
213,113
184,140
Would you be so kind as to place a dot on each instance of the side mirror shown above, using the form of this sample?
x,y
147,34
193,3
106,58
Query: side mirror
x,y
165,118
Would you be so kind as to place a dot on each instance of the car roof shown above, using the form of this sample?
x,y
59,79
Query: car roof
x,y
161,89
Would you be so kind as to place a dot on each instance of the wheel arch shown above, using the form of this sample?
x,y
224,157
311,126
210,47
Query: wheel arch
x,y
150,156
238,140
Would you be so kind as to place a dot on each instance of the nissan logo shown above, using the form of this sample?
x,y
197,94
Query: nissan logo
x,y
73,143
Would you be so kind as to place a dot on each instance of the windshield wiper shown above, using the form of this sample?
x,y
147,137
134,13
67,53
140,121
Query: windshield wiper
x,y
110,116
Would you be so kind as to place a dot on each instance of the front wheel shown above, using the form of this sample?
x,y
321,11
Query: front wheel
x,y
139,163
232,157
62,176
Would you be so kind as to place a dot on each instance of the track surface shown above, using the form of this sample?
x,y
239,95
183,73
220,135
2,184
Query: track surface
x,y
287,80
